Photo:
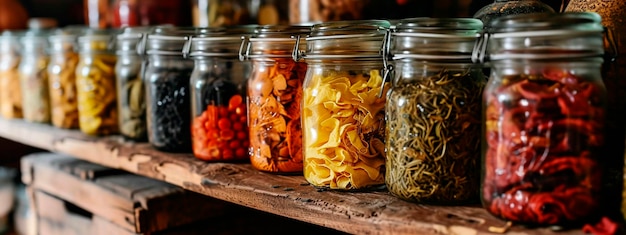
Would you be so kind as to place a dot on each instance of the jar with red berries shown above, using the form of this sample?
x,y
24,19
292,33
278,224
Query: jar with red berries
x,y
544,114
219,128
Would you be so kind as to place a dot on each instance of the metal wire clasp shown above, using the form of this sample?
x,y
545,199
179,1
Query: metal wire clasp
x,y
480,48
187,47
385,52
297,54
141,45
244,49
609,38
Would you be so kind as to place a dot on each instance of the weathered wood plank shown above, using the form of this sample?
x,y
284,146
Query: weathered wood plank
x,y
359,213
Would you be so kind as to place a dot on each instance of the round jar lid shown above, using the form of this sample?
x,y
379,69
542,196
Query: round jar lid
x,y
166,40
347,39
435,38
217,42
96,40
126,42
275,41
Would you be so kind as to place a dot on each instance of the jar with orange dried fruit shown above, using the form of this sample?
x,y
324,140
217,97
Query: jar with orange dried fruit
x,y
274,97
219,129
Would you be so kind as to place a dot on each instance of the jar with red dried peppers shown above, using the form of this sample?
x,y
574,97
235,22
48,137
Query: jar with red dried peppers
x,y
343,106
219,130
433,111
544,113
274,98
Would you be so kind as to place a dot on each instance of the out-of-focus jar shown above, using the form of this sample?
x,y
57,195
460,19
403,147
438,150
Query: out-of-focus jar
x,y
545,107
433,111
166,80
215,13
311,11
219,127
95,83
343,116
96,13
510,7
10,89
274,98
34,76
273,12
131,102
62,78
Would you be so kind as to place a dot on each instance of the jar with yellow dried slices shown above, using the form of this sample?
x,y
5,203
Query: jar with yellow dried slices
x,y
62,78
10,91
95,83
343,114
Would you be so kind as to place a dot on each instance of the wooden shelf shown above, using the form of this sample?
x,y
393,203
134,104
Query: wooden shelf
x,y
289,196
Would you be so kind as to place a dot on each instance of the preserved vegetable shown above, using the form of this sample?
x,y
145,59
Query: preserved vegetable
x,y
62,81
95,83
34,78
10,89
275,96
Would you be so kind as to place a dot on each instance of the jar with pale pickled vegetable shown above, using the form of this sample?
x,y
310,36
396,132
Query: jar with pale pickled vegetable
x,y
62,79
95,83
131,102
10,89
274,98
433,112
544,114
343,116
166,80
219,130
34,77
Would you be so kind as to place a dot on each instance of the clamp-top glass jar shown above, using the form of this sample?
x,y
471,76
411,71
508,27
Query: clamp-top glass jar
x,y
274,98
34,77
10,91
62,78
166,79
501,8
343,108
95,83
219,127
433,111
544,118
130,90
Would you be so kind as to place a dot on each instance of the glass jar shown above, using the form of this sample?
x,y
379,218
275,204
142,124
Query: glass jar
x,y
274,99
166,80
343,116
95,83
96,13
62,79
215,13
130,89
219,129
34,77
433,112
544,113
10,89
510,7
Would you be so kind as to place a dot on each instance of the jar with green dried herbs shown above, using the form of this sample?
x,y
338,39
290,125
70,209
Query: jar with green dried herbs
x,y
433,112
34,77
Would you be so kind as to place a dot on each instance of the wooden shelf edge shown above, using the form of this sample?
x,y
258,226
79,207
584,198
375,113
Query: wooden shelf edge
x,y
289,196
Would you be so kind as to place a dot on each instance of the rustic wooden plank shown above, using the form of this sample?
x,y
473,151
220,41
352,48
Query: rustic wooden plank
x,y
359,213
53,217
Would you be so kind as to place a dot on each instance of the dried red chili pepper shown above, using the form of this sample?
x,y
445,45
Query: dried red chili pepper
x,y
221,133
543,135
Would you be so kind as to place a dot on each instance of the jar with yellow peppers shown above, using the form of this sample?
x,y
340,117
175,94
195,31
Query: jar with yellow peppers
x,y
343,116
274,98
95,83
34,77
62,78
131,102
219,130
10,91
166,80
433,111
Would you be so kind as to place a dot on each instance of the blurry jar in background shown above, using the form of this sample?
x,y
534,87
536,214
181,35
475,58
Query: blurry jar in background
x,y
510,7
272,12
34,77
10,91
125,13
214,13
96,12
62,79
307,11
95,83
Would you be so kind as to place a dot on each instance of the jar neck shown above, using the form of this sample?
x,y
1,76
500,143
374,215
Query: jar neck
x,y
410,70
591,68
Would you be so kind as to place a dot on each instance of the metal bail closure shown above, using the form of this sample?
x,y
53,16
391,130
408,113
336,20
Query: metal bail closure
x,y
244,49
187,47
609,37
480,48
385,51
141,46
296,54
